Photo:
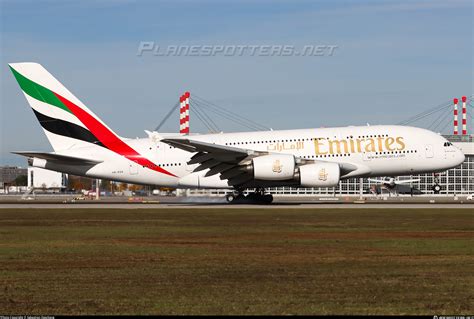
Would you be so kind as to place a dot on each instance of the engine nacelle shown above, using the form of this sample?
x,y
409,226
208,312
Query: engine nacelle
x,y
276,167
37,162
320,175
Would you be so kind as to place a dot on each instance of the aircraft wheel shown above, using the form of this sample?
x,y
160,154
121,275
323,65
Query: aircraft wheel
x,y
259,198
230,198
267,199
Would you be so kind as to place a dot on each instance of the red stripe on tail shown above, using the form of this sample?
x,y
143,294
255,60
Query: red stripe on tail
x,y
108,138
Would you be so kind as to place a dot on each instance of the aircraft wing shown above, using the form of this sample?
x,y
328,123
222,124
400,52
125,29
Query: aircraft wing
x,y
53,157
219,152
227,161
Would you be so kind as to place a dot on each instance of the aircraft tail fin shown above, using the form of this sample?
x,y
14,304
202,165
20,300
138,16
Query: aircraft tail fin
x,y
66,121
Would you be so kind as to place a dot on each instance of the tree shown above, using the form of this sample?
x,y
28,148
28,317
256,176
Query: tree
x,y
107,185
135,187
21,180
104,184
77,183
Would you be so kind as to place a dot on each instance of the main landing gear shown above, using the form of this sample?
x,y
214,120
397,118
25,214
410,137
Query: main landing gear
x,y
257,197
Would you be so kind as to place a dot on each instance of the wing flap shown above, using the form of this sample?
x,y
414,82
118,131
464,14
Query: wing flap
x,y
219,169
207,164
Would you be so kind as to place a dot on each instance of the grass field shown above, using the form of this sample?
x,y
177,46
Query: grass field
x,y
237,261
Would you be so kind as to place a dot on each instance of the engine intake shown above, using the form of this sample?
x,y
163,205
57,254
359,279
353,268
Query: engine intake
x,y
37,162
275,167
320,175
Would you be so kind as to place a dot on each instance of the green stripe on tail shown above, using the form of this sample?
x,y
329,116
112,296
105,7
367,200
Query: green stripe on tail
x,y
37,91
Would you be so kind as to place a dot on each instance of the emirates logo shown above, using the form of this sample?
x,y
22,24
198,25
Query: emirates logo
x,y
277,167
323,176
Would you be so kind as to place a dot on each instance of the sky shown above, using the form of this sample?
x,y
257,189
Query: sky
x,y
393,59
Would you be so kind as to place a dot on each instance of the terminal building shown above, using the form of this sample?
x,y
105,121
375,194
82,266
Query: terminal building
x,y
43,180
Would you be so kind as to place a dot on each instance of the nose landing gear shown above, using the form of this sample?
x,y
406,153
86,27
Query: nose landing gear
x,y
257,197
436,188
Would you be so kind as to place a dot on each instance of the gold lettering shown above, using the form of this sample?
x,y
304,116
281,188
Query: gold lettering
x,y
338,146
359,147
317,144
327,146
380,143
351,142
401,143
371,146
388,143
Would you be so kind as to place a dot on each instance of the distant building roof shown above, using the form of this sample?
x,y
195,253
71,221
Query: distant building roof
x,y
460,138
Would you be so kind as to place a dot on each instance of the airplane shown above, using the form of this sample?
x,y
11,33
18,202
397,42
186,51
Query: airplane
x,y
318,157
395,187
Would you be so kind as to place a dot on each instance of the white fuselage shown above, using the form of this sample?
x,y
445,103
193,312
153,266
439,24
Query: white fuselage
x,y
381,150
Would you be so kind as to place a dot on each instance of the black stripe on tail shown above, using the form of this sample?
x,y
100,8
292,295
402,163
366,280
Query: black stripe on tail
x,y
67,129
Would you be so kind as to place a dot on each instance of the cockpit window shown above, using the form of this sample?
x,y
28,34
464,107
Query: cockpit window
x,y
446,144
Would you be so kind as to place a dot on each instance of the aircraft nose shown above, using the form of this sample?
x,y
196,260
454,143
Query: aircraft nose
x,y
459,157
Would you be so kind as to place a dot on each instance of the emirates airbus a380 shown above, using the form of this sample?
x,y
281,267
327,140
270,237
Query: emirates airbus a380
x,y
320,157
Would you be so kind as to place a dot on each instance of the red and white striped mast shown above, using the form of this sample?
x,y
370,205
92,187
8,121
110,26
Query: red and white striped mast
x,y
184,113
464,121
455,116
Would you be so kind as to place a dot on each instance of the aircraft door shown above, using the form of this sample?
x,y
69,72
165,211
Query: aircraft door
x,y
133,167
429,151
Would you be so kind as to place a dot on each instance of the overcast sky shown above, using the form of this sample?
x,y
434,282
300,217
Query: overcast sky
x,y
393,60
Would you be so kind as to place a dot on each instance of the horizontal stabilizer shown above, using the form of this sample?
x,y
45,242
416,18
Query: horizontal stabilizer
x,y
59,158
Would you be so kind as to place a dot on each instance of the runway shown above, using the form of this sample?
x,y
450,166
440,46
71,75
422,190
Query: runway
x,y
201,205
210,202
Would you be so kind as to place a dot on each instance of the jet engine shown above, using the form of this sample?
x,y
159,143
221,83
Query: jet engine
x,y
37,162
319,175
275,167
